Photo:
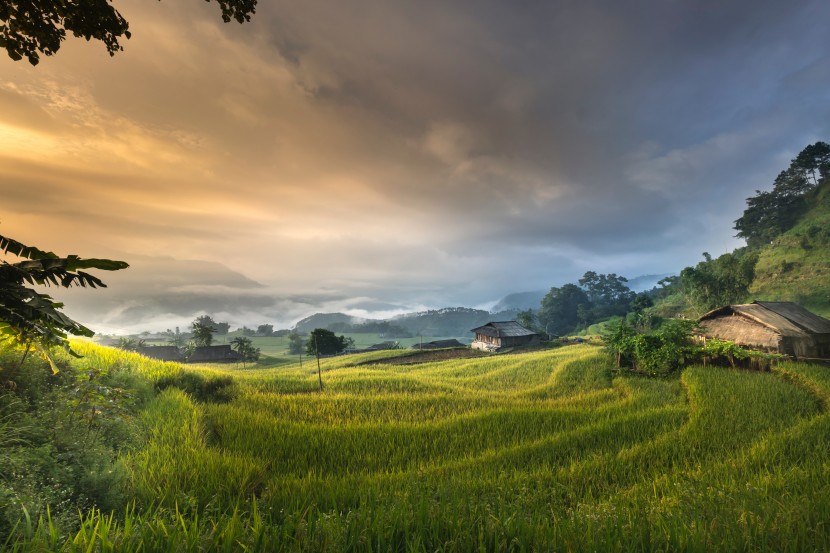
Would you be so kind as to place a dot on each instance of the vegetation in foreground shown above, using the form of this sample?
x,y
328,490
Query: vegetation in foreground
x,y
549,450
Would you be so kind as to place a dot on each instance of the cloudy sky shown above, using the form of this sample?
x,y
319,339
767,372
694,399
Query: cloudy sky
x,y
377,157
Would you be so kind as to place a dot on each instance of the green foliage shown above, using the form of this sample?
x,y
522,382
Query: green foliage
x,y
658,352
559,313
295,343
130,344
769,214
29,29
176,339
325,342
716,282
29,318
62,435
796,266
608,294
245,348
572,307
201,387
528,319
202,332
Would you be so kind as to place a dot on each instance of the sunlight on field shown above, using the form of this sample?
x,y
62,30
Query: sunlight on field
x,y
546,450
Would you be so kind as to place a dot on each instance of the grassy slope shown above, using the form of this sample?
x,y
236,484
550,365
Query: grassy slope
x,y
796,266
545,450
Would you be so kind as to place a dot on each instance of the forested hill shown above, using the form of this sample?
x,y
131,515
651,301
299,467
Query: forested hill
x,y
796,265
787,257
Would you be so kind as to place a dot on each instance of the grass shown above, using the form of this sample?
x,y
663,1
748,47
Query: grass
x,y
544,451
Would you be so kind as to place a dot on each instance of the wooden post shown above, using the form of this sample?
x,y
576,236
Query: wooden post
x,y
319,374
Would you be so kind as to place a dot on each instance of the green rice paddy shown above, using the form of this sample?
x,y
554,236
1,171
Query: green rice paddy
x,y
541,451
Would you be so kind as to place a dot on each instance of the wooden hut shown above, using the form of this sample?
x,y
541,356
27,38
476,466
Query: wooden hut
x,y
162,353
214,354
501,334
778,327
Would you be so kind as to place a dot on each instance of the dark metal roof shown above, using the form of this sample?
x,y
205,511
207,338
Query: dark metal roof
x,y
502,329
439,344
163,353
793,312
786,318
207,354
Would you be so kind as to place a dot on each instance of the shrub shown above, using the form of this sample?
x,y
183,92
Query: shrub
x,y
215,389
658,352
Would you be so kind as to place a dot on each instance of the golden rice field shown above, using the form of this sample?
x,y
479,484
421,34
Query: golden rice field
x,y
543,451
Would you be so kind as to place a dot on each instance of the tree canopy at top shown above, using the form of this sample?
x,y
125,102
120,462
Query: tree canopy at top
x,y
29,28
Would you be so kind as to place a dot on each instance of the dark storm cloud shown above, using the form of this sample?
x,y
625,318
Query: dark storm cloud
x,y
638,109
378,156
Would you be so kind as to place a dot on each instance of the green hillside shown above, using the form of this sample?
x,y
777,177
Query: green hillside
x,y
796,266
541,451
787,256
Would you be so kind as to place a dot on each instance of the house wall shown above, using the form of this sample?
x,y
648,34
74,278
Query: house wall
x,y
485,342
742,331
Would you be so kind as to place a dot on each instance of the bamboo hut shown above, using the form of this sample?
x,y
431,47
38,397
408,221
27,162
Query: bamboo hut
x,y
777,327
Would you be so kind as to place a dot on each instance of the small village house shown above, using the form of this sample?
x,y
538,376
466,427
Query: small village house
x,y
162,353
439,344
502,334
214,354
776,327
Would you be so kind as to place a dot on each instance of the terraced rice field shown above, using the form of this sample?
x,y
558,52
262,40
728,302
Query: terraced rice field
x,y
544,451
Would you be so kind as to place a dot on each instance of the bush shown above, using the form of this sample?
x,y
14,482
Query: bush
x,y
60,435
215,389
657,352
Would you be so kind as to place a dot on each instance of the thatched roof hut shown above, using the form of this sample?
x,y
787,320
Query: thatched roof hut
x,y
162,353
214,354
780,327
500,334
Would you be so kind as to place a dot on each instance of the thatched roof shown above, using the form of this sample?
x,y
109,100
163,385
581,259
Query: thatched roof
x,y
783,318
502,329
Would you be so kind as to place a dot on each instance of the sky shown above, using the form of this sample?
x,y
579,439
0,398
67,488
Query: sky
x,y
378,157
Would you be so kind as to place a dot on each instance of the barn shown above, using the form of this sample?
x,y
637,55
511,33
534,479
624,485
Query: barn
x,y
502,334
214,354
773,326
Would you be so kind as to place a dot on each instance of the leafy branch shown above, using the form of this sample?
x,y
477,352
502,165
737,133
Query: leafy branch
x,y
31,319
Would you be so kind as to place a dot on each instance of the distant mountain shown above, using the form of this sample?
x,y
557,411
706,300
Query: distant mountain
x,y
646,282
520,301
450,321
324,320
